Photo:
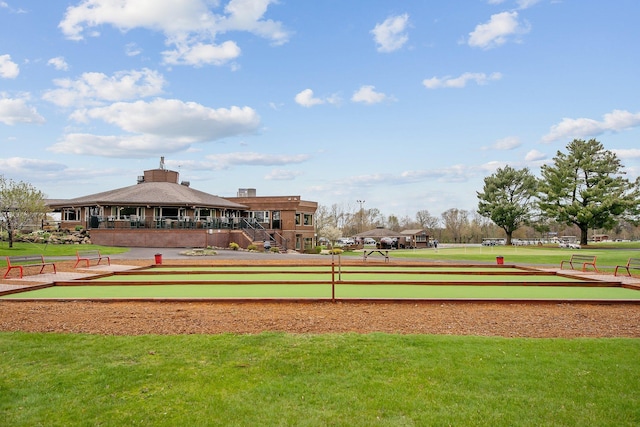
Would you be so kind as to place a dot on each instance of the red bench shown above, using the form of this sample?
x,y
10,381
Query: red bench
x,y
581,260
632,264
88,256
21,262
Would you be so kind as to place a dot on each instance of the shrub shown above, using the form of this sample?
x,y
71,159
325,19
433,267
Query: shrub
x,y
252,247
274,249
336,251
79,228
234,246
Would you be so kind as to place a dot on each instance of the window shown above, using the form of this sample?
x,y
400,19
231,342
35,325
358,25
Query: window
x,y
308,219
167,213
126,212
71,214
308,243
298,219
275,223
260,216
203,213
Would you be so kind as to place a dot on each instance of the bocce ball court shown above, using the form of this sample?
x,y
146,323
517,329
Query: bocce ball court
x,y
350,282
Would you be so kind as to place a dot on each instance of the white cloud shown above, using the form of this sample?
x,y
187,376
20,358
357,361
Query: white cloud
x,y
525,4
152,128
390,35
491,167
117,146
132,49
508,143
17,110
17,165
631,153
454,173
8,68
615,121
247,15
282,175
228,160
306,99
96,88
188,25
367,95
199,54
257,159
175,119
500,28
460,81
534,156
522,4
58,63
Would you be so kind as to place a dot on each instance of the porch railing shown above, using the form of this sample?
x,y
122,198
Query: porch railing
x,y
257,232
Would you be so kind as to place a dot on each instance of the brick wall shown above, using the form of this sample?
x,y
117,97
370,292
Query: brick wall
x,y
154,238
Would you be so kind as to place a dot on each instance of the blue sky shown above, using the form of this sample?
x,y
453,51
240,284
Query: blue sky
x,y
406,105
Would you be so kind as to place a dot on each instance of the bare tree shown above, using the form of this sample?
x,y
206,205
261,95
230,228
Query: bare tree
x,y
455,221
393,223
374,218
406,222
427,221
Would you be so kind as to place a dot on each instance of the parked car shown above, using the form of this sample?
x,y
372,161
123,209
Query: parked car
x,y
369,241
388,243
569,245
345,242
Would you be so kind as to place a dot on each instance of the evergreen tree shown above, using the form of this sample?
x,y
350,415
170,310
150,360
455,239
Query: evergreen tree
x,y
507,198
586,187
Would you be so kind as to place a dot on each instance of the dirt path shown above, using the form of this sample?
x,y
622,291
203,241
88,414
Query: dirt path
x,y
508,320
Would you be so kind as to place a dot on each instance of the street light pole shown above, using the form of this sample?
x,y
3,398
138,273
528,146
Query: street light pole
x,y
361,202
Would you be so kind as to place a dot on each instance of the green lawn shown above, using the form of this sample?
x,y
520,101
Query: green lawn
x,y
607,257
275,379
50,252
324,291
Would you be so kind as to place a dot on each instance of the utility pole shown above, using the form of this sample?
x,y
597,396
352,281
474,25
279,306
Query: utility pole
x,y
360,202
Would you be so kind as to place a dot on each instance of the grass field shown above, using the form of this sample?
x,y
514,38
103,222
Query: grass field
x,y
275,379
51,251
607,256
407,292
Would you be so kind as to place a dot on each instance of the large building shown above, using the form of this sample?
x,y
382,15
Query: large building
x,y
161,211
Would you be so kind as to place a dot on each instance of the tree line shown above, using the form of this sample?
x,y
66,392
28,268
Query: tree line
x,y
582,190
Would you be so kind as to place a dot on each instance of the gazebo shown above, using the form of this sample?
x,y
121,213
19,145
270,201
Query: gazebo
x,y
378,233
